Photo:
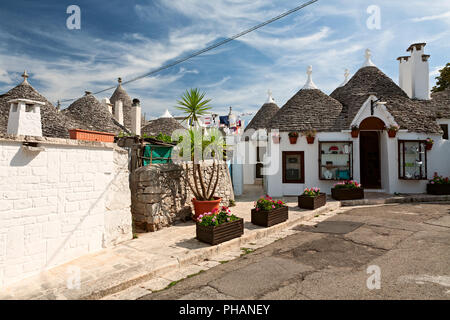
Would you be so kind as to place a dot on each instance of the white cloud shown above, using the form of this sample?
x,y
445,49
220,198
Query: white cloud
x,y
444,16
310,38
5,77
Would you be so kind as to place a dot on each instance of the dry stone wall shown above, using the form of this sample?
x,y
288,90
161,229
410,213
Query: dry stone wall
x,y
161,196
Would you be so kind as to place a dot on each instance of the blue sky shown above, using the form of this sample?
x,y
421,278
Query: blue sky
x,y
129,38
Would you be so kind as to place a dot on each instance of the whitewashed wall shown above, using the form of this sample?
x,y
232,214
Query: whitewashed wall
x,y
438,160
71,199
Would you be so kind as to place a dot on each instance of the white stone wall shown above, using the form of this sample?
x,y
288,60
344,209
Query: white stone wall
x,y
438,160
71,199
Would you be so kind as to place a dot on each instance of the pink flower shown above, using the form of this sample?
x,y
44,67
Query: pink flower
x,y
257,209
432,182
273,207
200,216
199,220
228,219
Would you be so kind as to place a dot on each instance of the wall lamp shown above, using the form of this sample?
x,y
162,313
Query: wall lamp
x,y
374,103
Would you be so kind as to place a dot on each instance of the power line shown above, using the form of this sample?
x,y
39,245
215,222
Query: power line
x,y
197,53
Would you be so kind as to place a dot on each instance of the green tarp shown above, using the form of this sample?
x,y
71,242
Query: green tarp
x,y
158,154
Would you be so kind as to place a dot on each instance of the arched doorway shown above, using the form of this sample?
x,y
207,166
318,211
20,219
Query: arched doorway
x,y
369,152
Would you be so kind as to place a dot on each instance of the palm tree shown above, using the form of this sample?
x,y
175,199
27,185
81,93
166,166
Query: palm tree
x,y
192,103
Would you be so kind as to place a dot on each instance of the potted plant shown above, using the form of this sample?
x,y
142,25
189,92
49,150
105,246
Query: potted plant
x,y
355,131
196,145
219,226
293,136
429,143
392,131
268,212
276,138
312,199
347,190
310,136
438,185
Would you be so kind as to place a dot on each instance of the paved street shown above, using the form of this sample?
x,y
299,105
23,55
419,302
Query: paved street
x,y
410,243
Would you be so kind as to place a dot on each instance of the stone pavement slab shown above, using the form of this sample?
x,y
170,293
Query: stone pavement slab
x,y
336,227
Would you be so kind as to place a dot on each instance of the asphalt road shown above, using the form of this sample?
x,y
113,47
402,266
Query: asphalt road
x,y
409,244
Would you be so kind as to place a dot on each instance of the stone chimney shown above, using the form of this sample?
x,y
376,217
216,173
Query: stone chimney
x,y
25,118
414,72
118,111
136,117
107,104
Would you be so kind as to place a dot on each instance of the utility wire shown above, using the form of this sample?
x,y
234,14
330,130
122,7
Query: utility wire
x,y
197,53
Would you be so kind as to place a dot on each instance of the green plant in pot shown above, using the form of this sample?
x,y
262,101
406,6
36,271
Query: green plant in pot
x,y
429,143
392,131
310,136
293,136
195,147
355,131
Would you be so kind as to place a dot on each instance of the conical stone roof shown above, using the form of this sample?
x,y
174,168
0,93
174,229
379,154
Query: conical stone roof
x,y
410,114
308,109
94,115
264,114
54,123
166,124
121,94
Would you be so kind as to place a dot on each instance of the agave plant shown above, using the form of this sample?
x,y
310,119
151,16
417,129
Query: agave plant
x,y
193,104
197,147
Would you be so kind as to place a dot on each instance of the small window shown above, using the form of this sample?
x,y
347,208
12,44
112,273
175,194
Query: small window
x,y
293,167
412,160
444,128
335,160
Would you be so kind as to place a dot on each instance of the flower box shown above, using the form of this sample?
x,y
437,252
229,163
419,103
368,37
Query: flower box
x,y
428,146
276,139
87,135
312,203
265,218
347,193
438,189
221,233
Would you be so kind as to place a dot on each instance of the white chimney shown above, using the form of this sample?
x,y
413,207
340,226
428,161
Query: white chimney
x,y
107,104
118,111
414,72
136,117
25,118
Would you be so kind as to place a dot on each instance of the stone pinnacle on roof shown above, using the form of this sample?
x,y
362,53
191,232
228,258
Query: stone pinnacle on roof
x,y
346,76
270,98
119,80
368,62
309,83
166,114
25,77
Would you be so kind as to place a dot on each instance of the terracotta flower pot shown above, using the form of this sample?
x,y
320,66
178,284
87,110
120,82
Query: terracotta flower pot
x,y
392,133
428,146
310,140
355,133
276,139
201,207
293,140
